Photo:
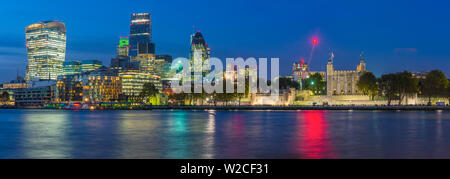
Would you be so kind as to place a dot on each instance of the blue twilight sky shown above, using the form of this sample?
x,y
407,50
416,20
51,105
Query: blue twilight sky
x,y
394,35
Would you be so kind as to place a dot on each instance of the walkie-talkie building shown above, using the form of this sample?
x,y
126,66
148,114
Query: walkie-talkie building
x,y
46,50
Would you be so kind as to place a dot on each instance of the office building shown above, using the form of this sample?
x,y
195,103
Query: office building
x,y
162,65
46,50
102,85
124,63
124,47
71,68
38,94
90,65
133,82
19,83
141,35
200,54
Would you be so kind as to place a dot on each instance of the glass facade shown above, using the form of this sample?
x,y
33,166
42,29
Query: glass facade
x,y
89,87
162,65
124,63
101,88
146,63
141,35
46,50
72,68
90,65
133,82
69,88
200,54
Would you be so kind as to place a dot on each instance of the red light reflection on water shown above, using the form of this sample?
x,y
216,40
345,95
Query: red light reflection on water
x,y
238,125
236,143
313,136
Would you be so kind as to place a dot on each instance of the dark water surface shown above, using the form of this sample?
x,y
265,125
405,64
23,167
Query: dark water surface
x,y
220,134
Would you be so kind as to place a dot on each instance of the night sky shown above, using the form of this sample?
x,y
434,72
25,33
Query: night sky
x,y
394,35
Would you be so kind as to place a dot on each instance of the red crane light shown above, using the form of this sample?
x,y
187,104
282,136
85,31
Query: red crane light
x,y
315,41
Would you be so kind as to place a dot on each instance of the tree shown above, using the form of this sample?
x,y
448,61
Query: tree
x,y
149,90
178,97
448,91
199,96
407,85
389,87
4,97
246,92
367,84
224,96
315,83
434,85
287,83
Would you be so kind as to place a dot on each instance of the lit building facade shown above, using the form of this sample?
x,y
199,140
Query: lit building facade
x,y
71,68
46,50
420,75
101,88
36,95
300,71
16,84
146,62
343,82
124,63
200,54
162,65
89,87
133,82
69,88
141,35
90,65
123,48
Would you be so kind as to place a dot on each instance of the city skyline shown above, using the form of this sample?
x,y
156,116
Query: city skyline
x,y
286,35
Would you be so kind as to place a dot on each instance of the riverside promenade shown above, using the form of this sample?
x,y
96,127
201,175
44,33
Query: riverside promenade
x,y
259,108
361,108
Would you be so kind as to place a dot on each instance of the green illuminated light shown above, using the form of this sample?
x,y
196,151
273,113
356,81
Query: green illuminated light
x,y
124,42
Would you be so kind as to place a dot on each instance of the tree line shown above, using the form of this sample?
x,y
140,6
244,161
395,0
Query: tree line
x,y
399,86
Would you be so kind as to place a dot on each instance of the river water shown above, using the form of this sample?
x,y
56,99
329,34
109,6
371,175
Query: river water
x,y
224,134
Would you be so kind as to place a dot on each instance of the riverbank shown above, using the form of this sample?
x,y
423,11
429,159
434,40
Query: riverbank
x,y
287,108
282,108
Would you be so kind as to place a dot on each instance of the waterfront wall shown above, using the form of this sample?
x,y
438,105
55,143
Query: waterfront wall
x,y
295,108
306,98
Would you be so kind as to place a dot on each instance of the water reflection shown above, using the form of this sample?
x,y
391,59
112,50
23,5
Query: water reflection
x,y
177,138
224,134
139,135
210,131
45,135
314,142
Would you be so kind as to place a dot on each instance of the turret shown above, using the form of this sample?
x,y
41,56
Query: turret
x,y
330,68
362,63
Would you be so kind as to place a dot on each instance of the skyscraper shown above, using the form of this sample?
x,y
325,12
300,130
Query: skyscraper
x,y
124,47
200,53
141,35
46,50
